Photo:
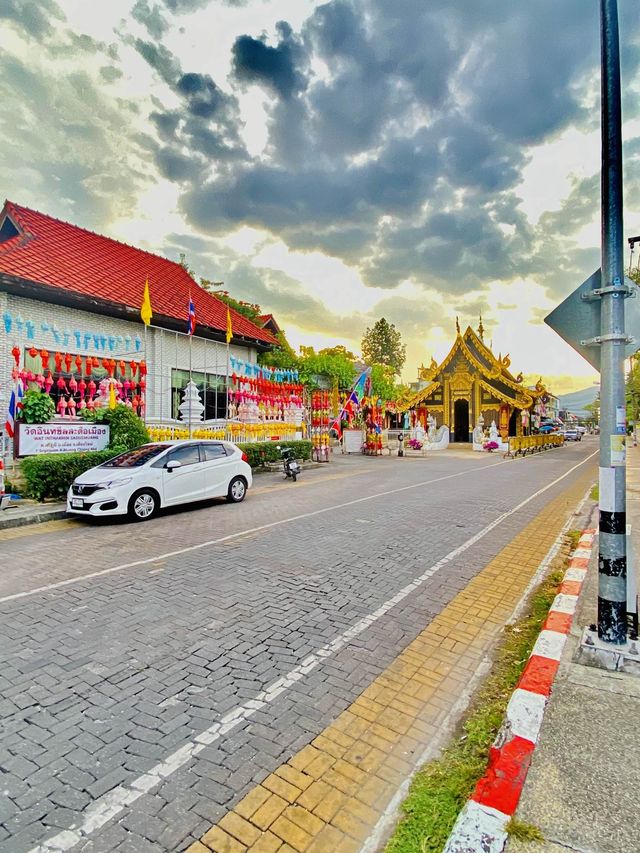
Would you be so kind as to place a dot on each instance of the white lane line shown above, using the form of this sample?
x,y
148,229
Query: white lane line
x,y
115,801
101,572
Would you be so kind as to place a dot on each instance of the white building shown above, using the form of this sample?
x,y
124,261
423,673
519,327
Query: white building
x,y
70,314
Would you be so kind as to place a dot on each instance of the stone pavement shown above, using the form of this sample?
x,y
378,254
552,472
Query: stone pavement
x,y
582,788
334,792
154,675
21,513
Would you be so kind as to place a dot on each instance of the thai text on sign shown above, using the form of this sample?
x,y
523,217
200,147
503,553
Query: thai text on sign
x,y
61,438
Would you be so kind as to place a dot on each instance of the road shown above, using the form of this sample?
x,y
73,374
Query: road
x,y
153,673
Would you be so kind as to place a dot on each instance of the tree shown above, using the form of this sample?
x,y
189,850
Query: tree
x,y
382,382
338,369
382,344
340,350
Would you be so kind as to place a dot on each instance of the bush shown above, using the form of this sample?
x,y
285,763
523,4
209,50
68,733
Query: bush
x,y
49,475
261,452
37,408
126,429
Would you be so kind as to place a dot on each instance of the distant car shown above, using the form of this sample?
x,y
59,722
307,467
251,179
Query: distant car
x,y
141,481
581,429
572,434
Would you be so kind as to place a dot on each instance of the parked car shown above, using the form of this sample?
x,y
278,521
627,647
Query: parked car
x,y
582,430
141,481
571,434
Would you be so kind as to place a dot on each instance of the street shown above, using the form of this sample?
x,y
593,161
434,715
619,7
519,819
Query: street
x,y
153,673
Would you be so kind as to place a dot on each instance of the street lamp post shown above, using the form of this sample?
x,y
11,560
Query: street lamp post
x,y
612,558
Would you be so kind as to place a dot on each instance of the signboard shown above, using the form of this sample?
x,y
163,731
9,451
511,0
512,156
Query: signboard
x,y
61,437
578,319
352,440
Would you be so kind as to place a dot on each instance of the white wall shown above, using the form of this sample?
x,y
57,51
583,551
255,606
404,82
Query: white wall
x,y
164,350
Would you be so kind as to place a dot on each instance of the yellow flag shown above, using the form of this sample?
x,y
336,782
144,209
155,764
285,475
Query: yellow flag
x,y
145,310
229,329
112,395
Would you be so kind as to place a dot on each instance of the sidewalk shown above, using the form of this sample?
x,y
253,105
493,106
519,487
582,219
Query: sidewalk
x,y
582,787
24,512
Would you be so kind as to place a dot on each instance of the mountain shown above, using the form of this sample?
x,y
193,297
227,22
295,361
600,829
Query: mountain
x,y
577,400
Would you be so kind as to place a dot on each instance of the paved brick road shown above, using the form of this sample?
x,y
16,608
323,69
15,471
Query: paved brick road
x,y
109,682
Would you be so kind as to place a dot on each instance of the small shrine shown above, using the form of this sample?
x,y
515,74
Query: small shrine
x,y
473,393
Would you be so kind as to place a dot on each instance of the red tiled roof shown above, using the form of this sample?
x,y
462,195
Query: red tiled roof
x,y
60,255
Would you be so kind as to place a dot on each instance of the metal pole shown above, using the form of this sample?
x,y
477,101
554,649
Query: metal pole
x,y
612,563
190,380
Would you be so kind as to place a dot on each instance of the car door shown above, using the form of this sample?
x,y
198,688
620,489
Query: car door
x,y
185,483
218,468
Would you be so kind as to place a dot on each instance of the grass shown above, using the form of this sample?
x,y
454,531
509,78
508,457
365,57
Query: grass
x,y
523,831
594,494
442,787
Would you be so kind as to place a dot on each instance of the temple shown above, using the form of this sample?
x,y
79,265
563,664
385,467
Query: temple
x,y
472,382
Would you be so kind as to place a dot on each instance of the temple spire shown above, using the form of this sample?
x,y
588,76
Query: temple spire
x,y
457,325
481,329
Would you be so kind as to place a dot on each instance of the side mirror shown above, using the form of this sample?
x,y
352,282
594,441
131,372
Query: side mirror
x,y
172,464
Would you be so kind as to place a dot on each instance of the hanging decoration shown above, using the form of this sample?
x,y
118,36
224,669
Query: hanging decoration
x,y
121,344
273,374
320,418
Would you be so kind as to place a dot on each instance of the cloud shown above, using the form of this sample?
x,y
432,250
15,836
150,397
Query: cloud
x,y
32,17
277,68
151,17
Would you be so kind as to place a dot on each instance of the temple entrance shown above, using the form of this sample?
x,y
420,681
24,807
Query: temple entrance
x,y
513,422
461,420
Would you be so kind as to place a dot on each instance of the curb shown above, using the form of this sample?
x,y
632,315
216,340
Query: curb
x,y
22,520
481,825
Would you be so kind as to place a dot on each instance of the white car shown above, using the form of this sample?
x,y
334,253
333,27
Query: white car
x,y
166,473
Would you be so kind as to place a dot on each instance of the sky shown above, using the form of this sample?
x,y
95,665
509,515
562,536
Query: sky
x,y
335,162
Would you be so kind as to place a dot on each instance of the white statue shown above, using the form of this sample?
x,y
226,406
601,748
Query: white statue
x,y
418,432
478,433
494,435
431,433
191,409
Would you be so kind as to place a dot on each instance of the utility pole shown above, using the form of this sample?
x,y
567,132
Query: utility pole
x,y
612,562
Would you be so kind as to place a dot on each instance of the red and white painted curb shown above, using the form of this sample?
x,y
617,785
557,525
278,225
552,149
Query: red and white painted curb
x,y
481,825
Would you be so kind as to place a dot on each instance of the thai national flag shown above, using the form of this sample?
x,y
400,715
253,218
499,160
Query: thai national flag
x,y
15,404
191,319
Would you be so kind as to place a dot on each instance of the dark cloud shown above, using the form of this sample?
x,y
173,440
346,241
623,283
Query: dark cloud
x,y
33,17
278,68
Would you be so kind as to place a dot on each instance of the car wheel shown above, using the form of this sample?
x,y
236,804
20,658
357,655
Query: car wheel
x,y
237,490
143,505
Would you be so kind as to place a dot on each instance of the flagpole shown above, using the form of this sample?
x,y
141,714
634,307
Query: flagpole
x,y
147,395
190,412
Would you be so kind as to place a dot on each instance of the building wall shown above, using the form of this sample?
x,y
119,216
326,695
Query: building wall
x,y
164,350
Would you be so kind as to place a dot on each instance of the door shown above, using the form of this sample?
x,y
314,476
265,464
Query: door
x,y
185,483
218,468
461,420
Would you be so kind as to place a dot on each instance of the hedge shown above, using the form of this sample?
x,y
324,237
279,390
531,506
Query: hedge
x,y
261,452
49,475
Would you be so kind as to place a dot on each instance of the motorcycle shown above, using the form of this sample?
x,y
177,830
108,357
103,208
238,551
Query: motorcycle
x,y
290,465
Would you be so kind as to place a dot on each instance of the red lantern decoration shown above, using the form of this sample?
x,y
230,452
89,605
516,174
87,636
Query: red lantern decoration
x,y
61,384
68,358
48,382
82,387
134,367
92,389
15,352
79,365
58,358
112,367
33,352
44,355
143,368
122,365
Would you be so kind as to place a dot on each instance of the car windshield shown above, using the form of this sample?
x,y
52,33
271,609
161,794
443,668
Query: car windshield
x,y
135,458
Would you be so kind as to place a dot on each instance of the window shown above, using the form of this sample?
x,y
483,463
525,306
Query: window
x,y
188,454
213,451
135,458
212,388
7,230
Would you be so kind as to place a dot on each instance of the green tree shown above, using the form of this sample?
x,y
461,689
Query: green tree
x,y
339,350
382,344
594,411
336,368
632,389
383,382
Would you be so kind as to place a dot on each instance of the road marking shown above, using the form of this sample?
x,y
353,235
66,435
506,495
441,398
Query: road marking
x,y
115,801
270,526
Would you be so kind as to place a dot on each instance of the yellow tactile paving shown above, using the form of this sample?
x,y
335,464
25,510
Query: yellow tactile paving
x,y
328,797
